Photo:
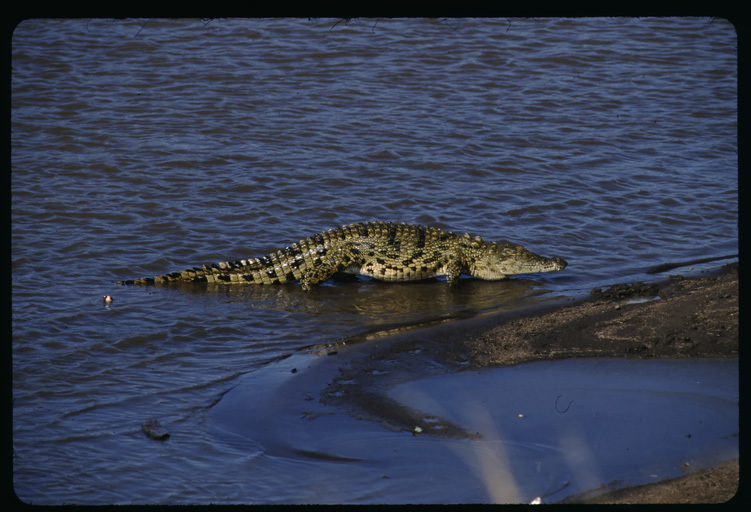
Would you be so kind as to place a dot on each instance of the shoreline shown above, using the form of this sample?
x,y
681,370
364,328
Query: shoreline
x,y
678,317
693,317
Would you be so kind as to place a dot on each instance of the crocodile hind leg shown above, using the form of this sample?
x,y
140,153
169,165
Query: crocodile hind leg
x,y
453,273
331,262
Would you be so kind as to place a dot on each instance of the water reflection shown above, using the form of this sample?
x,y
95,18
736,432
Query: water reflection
x,y
372,306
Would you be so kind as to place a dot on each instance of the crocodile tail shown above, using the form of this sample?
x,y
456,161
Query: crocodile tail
x,y
224,272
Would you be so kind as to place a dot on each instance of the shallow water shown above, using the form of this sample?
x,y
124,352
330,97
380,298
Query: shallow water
x,y
547,429
143,147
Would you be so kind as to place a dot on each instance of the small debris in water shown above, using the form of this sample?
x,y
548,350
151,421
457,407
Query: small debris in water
x,y
154,430
416,431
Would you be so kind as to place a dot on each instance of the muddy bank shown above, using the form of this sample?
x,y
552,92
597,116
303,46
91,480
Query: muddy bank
x,y
680,317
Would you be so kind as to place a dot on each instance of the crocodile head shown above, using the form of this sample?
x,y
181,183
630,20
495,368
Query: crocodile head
x,y
496,261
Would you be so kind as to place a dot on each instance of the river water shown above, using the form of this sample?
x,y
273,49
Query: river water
x,y
140,147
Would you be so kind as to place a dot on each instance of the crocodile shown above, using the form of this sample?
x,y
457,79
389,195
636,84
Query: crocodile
x,y
386,251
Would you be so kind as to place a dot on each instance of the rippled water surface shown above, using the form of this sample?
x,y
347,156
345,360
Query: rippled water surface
x,y
143,147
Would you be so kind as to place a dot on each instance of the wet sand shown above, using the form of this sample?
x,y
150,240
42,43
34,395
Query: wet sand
x,y
679,317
